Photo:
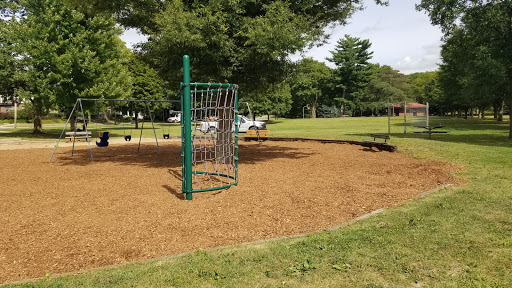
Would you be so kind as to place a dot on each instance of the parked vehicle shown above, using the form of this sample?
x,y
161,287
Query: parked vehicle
x,y
243,122
247,124
174,119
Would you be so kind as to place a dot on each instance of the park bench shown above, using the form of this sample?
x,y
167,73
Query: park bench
x,y
76,136
376,143
430,130
256,135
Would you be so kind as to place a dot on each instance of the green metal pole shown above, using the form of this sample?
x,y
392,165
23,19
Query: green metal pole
x,y
188,127
236,135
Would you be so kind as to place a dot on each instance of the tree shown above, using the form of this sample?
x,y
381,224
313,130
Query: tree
x,y
7,63
393,77
419,82
147,84
243,42
275,100
65,55
353,70
310,79
486,23
386,86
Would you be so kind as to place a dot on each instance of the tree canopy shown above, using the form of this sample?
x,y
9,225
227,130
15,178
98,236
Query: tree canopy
x,y
477,54
310,80
63,55
353,70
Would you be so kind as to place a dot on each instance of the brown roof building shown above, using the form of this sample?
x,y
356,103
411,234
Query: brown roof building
x,y
413,109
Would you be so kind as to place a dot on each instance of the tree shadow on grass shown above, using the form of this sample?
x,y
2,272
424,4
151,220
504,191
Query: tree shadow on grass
x,y
485,132
495,140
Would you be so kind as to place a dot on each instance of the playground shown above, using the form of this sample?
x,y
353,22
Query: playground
x,y
74,214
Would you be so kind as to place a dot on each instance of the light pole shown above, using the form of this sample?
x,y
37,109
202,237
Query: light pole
x,y
303,110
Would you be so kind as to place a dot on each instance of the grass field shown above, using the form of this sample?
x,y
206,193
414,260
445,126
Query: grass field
x,y
457,237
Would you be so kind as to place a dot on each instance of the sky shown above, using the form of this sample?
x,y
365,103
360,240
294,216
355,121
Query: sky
x,y
401,37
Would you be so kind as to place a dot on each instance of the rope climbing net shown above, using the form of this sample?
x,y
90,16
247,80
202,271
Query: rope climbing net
x,y
209,126
213,138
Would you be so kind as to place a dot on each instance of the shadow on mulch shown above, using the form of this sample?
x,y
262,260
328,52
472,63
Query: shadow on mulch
x,y
168,157
175,193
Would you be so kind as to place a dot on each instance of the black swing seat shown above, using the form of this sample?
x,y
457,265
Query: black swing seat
x,y
127,138
166,136
104,137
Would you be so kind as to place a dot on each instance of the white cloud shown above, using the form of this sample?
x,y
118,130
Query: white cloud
x,y
401,37
428,61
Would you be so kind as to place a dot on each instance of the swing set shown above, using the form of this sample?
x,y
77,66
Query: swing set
x,y
209,160
104,135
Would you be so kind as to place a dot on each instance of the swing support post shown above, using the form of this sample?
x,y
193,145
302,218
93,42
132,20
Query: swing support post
x,y
141,129
153,124
86,132
64,129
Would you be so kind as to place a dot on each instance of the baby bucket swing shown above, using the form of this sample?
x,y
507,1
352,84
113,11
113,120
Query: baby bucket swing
x,y
103,135
128,137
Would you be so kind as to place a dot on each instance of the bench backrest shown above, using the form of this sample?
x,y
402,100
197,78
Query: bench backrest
x,y
252,133
83,133
382,136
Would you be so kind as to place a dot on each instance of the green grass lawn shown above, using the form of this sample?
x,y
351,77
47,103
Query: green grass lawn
x,y
52,130
456,237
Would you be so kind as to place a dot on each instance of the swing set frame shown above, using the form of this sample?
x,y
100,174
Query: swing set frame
x,y
79,107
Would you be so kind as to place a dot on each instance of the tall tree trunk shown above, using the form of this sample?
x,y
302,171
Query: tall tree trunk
x,y
313,107
501,107
465,113
471,112
72,122
313,110
38,111
510,117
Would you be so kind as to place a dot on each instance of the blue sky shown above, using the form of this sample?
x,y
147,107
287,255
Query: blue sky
x,y
401,37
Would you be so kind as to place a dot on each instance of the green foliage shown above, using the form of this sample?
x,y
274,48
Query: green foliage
x,y
386,86
129,13
477,57
353,70
146,84
275,100
63,55
310,80
243,42
7,63
425,87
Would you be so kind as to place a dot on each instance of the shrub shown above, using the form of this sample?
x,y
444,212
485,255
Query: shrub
x,y
6,116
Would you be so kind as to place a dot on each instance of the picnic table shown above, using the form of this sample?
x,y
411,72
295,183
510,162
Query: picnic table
x,y
75,136
431,130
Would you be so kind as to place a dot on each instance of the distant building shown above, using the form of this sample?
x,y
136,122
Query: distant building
x,y
413,109
7,106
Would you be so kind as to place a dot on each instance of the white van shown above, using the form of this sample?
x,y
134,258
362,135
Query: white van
x,y
244,124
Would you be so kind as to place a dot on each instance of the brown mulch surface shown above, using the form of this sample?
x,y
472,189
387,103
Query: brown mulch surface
x,y
74,214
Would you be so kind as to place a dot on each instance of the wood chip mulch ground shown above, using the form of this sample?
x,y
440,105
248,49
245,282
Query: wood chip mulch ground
x,y
74,214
